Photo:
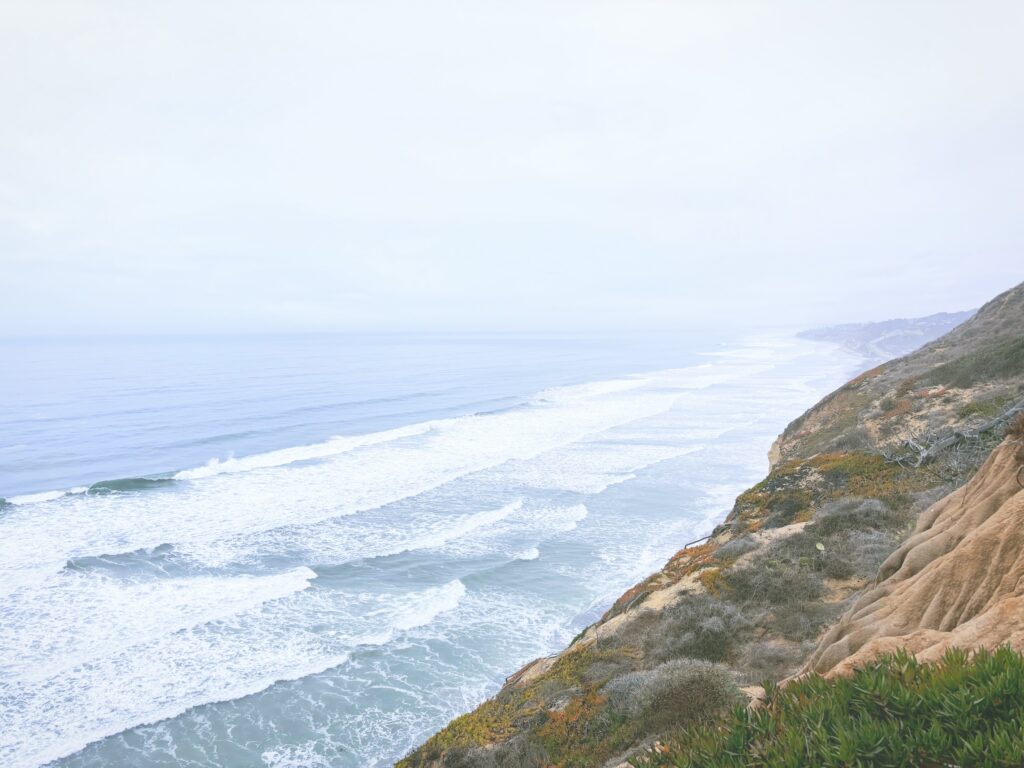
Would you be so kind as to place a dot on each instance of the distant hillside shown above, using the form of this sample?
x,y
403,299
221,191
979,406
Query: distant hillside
x,y
890,338
790,581
955,383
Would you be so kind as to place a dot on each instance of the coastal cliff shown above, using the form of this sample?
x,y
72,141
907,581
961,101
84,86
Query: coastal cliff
x,y
871,532
958,581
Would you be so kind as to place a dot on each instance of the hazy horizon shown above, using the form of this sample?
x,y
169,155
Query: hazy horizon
x,y
566,167
771,330
359,352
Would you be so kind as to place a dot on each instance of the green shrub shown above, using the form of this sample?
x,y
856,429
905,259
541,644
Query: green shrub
x,y
770,660
783,506
857,553
695,626
984,408
735,548
802,621
772,582
854,514
839,556
672,694
849,537
853,439
624,693
962,711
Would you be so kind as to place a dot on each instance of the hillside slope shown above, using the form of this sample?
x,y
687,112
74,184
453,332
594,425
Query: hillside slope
x,y
799,550
958,581
955,383
885,340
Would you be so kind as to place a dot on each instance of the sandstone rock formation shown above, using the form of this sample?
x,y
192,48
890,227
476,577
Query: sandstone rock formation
x,y
957,581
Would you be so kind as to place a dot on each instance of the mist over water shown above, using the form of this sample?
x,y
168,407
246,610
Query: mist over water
x,y
316,551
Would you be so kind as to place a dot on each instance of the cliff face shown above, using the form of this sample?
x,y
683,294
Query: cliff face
x,y
788,581
957,581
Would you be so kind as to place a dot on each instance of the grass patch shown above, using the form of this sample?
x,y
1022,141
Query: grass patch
x,y
984,408
1001,360
963,710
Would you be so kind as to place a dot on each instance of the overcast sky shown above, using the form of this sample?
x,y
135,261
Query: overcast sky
x,y
231,166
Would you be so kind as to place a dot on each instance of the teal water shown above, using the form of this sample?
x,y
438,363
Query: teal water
x,y
315,551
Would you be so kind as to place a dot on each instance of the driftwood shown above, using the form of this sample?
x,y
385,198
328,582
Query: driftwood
x,y
927,452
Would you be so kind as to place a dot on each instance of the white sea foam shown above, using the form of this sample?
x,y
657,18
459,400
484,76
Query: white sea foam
x,y
78,617
147,645
44,496
591,389
286,456
590,467
438,601
371,475
299,635
531,522
36,498
296,756
346,539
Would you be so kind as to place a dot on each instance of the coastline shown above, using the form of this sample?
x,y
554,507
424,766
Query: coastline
x,y
601,448
751,602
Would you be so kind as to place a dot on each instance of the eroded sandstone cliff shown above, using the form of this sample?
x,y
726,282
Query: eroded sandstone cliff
x,y
957,581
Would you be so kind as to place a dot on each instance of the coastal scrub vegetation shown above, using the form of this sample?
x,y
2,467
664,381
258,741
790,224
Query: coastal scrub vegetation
x,y
845,538
696,626
795,489
1003,359
681,691
966,709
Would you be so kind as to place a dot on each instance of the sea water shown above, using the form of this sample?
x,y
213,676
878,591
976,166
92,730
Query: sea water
x,y
317,550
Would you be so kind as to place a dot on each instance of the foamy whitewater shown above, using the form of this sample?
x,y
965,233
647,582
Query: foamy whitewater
x,y
316,551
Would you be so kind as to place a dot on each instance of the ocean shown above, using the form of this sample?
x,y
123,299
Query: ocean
x,y
316,550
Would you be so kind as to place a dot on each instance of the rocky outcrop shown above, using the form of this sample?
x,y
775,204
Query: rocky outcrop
x,y
957,581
